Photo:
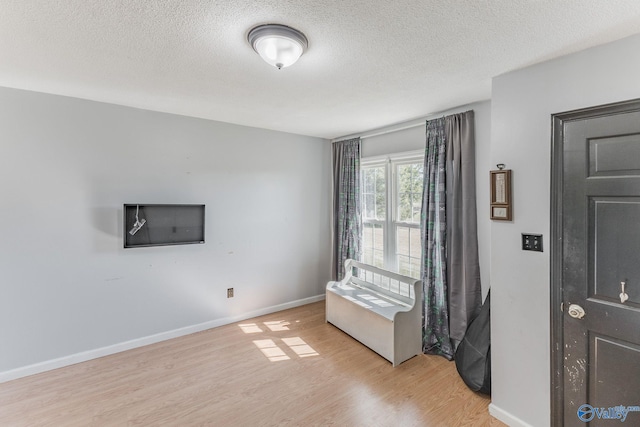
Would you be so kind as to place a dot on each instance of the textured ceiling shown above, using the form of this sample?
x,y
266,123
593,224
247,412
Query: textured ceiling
x,y
369,63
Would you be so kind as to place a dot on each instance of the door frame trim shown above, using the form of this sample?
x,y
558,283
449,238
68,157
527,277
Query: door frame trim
x,y
556,292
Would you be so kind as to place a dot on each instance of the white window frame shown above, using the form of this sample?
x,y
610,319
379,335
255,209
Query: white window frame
x,y
390,224
375,163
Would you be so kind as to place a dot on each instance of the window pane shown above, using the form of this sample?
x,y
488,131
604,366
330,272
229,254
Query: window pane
x,y
373,244
416,206
404,207
369,206
374,192
378,246
415,268
369,181
367,243
417,178
378,259
415,245
402,241
381,193
408,251
409,190
404,266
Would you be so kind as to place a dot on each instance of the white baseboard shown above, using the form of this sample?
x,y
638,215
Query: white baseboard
x,y
506,417
151,339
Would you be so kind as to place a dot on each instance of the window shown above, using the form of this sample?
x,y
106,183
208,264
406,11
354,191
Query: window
x,y
374,207
391,231
407,226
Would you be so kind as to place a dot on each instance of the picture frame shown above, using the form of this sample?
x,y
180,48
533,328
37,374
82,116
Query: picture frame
x,y
501,187
501,196
500,213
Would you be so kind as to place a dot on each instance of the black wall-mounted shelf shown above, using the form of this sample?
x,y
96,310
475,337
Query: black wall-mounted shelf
x,y
164,225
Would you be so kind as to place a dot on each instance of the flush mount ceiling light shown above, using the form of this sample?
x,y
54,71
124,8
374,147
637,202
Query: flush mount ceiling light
x,y
278,45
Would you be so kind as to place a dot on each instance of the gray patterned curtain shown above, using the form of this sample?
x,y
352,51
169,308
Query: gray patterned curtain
x,y
346,204
451,269
433,227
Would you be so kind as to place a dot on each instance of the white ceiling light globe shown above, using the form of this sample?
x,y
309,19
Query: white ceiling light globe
x,y
278,45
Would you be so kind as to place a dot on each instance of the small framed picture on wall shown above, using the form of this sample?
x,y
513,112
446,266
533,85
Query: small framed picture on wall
x,y
501,205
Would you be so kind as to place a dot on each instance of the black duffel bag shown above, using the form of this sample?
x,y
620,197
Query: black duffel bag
x,y
473,355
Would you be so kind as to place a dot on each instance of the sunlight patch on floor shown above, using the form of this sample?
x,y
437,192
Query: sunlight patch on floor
x,y
250,328
280,325
271,350
301,348
253,328
275,353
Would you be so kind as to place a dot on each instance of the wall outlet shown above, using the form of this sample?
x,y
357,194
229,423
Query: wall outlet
x,y
229,292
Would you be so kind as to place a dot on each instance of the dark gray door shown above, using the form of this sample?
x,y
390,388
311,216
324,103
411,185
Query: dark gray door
x,y
597,266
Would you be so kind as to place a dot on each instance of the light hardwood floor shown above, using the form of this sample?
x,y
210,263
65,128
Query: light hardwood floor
x,y
287,368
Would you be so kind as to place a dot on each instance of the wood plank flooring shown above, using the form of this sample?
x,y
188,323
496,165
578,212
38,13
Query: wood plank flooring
x,y
284,369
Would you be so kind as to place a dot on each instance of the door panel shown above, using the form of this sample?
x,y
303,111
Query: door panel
x,y
613,246
610,386
598,227
617,155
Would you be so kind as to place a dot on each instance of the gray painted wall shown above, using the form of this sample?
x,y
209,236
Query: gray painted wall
x,y
415,139
67,167
522,104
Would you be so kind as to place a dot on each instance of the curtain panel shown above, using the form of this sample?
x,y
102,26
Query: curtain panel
x,y
450,270
347,204
433,230
465,293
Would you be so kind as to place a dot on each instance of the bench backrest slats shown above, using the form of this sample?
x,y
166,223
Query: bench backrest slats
x,y
391,274
400,299
393,285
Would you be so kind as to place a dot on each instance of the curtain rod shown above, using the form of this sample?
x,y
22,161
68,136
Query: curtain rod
x,y
384,130
402,125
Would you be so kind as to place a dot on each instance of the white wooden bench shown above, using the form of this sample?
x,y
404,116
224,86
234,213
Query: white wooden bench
x,y
378,308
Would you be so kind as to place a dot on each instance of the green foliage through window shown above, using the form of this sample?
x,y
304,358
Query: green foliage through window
x,y
409,181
